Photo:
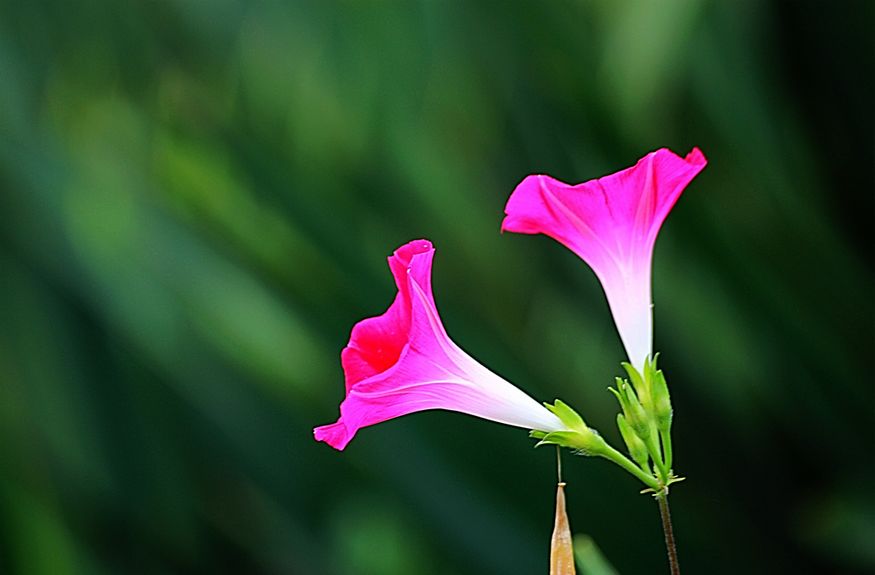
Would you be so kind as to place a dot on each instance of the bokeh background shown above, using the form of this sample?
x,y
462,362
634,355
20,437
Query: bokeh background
x,y
197,200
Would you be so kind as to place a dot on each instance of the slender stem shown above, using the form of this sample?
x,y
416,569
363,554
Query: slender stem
x,y
666,448
559,463
623,461
665,513
652,444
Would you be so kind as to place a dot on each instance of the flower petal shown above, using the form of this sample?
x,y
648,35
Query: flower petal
x,y
403,362
611,223
376,343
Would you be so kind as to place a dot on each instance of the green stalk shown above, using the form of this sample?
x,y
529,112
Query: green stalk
x,y
666,448
652,444
621,460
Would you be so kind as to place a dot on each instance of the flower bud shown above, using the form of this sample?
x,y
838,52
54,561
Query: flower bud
x,y
636,414
636,447
662,410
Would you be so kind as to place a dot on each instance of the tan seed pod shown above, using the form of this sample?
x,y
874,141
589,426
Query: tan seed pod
x,y
561,548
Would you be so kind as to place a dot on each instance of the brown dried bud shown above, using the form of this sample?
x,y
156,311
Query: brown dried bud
x,y
561,548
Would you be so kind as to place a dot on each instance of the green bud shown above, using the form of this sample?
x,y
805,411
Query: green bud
x,y
636,414
636,447
662,410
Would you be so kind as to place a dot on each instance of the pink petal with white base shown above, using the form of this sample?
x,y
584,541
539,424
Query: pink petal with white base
x,y
612,224
403,361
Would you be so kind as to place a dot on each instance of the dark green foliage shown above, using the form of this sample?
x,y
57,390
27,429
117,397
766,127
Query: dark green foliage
x,y
197,200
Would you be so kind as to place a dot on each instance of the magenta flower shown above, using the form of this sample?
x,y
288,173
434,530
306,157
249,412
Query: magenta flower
x,y
611,223
403,361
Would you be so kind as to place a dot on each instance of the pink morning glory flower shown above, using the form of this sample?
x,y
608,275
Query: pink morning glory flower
x,y
403,361
611,223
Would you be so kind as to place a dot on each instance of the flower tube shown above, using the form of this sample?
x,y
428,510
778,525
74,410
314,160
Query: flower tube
x,y
611,223
403,361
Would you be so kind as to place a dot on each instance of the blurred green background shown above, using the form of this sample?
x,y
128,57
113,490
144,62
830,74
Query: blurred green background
x,y
197,201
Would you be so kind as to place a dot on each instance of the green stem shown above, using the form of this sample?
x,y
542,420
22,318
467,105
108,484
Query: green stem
x,y
653,447
625,463
665,513
666,448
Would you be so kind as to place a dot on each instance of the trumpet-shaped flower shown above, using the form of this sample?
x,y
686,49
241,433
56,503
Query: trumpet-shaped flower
x,y
611,223
403,361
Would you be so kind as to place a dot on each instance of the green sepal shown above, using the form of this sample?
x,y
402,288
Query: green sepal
x,y
639,382
652,362
621,397
587,442
566,415
577,436
662,410
642,382
636,414
561,438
